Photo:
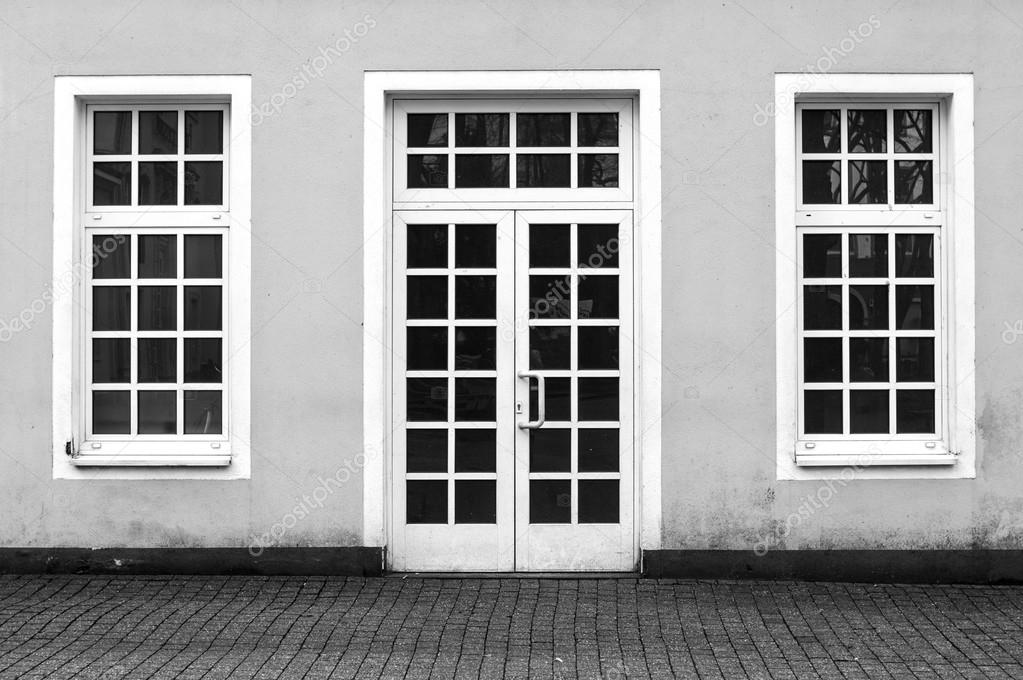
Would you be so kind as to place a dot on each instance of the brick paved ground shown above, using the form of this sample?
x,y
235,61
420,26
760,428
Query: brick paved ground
x,y
240,627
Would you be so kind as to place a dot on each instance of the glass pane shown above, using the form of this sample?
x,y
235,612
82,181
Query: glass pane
x,y
822,411
598,297
598,398
868,255
476,245
427,297
598,246
426,450
111,360
475,501
822,308
598,170
868,307
111,412
868,359
475,348
158,257
916,360
158,183
481,129
111,132
822,255
427,170
158,131
822,182
868,412
549,296
111,257
550,347
157,360
914,307
111,183
481,170
867,131
543,170
550,450
158,412
559,399
598,129
158,308
822,130
204,132
203,311
203,360
111,308
203,256
203,412
426,399
598,347
914,182
550,501
427,246
868,182
475,450
914,255
475,297
426,349
912,130
426,501
914,411
549,245
427,129
543,129
598,501
204,182
822,360
475,399
598,450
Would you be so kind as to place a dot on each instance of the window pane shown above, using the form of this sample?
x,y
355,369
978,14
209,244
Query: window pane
x,y
475,297
822,308
475,399
111,132
203,256
203,412
203,360
868,412
427,246
111,257
550,347
559,399
549,296
821,131
158,132
426,399
111,308
550,450
598,129
598,450
912,130
475,501
111,360
543,129
426,348
476,245
598,297
204,132
914,182
427,129
158,412
868,255
914,255
916,360
427,170
598,170
475,348
111,412
157,360
158,257
427,297
598,246
598,399
481,170
550,501
598,501
203,311
868,182
204,182
867,131
822,411
481,129
822,255
914,307
914,411
822,359
475,450
158,308
549,245
111,183
426,451
426,501
543,170
822,182
868,359
868,307
598,347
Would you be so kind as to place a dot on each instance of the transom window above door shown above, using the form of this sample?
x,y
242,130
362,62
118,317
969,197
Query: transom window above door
x,y
502,150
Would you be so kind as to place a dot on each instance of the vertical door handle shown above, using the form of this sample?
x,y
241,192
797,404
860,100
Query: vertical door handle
x,y
541,400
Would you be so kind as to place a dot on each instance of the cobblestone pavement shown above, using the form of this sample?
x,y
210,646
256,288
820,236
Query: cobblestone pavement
x,y
242,627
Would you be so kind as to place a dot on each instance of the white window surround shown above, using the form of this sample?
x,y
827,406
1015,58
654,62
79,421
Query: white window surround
x,y
380,89
72,94
880,459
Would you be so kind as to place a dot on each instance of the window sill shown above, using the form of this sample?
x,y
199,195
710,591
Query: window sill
x,y
845,460
141,460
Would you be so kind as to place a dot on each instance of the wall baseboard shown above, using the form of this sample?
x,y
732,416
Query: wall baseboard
x,y
857,566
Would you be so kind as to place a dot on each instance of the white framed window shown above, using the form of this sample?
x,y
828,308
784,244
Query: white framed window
x,y
875,274
151,276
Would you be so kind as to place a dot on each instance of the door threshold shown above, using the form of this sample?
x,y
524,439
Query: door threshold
x,y
514,574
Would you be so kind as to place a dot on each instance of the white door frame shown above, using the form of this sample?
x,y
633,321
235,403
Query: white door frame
x,y
379,88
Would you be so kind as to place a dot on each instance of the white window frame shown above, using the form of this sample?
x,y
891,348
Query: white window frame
x,y
954,455
225,457
381,88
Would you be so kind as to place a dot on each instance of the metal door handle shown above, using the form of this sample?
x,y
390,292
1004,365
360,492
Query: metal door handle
x,y
541,400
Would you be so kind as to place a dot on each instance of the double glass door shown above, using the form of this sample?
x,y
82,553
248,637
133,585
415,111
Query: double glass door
x,y
512,437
